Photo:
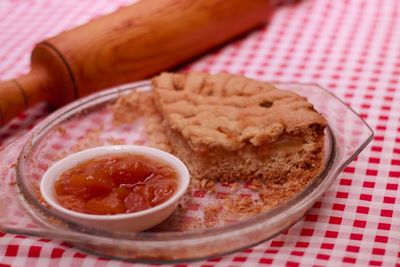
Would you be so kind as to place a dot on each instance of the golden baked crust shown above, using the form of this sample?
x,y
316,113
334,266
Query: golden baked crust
x,y
228,127
230,111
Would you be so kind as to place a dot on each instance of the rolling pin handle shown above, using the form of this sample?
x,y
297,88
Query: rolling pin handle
x,y
19,94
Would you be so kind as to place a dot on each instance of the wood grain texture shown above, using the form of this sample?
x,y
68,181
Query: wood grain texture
x,y
133,43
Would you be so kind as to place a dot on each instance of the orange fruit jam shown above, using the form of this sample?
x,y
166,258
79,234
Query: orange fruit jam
x,y
115,184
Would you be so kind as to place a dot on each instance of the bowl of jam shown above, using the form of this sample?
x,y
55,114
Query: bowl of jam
x,y
124,187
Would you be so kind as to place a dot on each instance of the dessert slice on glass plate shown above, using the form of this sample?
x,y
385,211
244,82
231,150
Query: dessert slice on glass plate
x,y
228,127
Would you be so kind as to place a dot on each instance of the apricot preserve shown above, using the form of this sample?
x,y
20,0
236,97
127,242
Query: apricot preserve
x,y
115,184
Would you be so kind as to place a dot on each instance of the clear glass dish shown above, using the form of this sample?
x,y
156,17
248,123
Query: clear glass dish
x,y
87,123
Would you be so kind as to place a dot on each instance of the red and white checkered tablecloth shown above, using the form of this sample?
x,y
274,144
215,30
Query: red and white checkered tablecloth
x,y
351,47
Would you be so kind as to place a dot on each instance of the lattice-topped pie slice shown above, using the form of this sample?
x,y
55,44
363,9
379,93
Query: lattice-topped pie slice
x,y
227,127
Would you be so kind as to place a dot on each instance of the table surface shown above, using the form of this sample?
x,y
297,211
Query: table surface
x,y
350,47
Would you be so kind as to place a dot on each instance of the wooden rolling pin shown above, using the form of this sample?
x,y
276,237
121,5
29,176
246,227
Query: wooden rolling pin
x,y
133,43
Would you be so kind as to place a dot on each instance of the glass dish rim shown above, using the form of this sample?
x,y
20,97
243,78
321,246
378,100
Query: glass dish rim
x,y
290,206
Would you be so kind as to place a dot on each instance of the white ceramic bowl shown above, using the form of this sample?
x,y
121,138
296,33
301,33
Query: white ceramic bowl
x,y
136,221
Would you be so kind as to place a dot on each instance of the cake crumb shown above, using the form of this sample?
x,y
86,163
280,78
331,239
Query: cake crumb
x,y
211,214
235,186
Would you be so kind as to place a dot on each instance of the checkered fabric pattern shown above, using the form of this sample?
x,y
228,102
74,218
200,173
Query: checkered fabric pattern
x,y
350,47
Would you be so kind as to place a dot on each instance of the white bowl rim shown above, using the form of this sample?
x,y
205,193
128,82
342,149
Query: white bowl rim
x,y
52,173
